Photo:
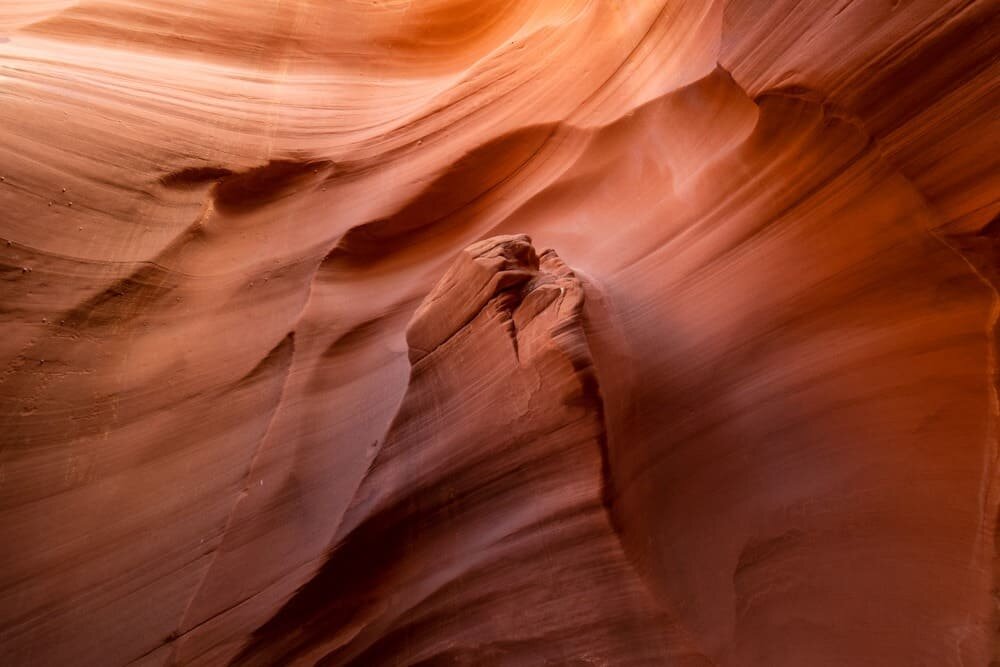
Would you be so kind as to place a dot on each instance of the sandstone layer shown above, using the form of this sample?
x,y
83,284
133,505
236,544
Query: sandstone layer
x,y
289,374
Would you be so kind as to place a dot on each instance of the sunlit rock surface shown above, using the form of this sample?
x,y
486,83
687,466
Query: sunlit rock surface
x,y
291,375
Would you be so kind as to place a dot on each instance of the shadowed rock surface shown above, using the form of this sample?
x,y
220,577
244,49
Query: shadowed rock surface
x,y
481,535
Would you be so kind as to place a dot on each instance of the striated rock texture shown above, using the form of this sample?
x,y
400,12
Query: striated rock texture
x,y
285,380
482,539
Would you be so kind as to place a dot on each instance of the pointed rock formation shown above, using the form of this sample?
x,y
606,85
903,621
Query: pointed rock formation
x,y
479,534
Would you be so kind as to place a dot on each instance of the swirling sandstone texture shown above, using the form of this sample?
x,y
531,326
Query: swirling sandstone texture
x,y
514,332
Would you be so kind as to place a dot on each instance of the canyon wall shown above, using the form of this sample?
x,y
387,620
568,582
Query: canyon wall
x,y
513,332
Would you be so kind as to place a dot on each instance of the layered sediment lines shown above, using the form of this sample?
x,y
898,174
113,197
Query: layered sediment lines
x,y
480,532
269,396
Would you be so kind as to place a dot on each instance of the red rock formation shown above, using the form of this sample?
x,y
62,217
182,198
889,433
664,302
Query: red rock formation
x,y
756,427
480,532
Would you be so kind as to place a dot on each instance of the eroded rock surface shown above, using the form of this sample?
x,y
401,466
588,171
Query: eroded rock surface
x,y
217,220
480,533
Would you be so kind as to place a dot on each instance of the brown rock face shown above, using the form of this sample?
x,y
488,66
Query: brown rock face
x,y
481,533
288,378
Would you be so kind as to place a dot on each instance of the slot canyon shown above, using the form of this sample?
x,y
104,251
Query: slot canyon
x,y
499,332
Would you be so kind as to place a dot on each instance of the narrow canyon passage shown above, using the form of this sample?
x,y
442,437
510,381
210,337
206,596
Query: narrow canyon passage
x,y
443,332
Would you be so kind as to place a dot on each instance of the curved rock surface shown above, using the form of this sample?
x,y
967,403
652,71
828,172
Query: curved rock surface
x,y
480,532
284,381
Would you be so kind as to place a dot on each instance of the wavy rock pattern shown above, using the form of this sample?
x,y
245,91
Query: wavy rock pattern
x,y
510,507
757,427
